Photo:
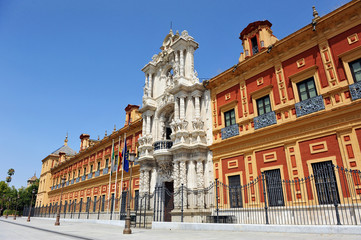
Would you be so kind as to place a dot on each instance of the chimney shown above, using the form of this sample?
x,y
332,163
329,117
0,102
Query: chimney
x,y
84,141
61,157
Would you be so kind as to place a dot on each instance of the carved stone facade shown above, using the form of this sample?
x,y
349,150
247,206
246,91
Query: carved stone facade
x,y
176,120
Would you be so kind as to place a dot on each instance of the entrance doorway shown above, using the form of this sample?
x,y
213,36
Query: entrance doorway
x,y
168,201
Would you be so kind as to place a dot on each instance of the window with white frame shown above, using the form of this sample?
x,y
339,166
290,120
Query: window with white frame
x,y
307,89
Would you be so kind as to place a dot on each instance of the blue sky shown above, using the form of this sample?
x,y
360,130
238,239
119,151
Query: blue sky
x,y
74,65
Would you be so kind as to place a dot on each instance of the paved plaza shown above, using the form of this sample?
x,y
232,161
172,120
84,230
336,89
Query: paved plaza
x,y
45,229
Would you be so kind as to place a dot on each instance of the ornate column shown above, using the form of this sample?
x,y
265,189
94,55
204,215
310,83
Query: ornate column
x,y
150,82
191,183
162,126
144,130
146,92
146,181
197,106
176,66
200,184
148,124
183,179
141,179
181,64
176,183
176,109
182,108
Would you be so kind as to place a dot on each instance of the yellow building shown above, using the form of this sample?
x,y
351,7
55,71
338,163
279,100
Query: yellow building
x,y
92,180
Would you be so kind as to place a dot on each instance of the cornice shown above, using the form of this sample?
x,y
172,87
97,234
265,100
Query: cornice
x,y
305,38
296,130
99,145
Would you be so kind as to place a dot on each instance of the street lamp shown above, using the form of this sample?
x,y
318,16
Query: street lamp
x,y
31,203
127,229
16,205
57,222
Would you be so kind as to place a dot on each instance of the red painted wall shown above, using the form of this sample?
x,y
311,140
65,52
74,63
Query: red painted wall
x,y
235,95
312,57
269,77
358,134
339,44
225,170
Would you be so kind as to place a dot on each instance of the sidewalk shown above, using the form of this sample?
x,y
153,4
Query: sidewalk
x,y
45,229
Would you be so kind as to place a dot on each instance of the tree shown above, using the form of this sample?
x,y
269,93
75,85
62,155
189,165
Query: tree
x,y
11,172
4,195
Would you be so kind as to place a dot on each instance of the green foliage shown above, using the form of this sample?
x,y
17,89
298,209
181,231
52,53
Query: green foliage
x,y
10,212
10,197
11,172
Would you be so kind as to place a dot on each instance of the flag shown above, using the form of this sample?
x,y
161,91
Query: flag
x,y
125,158
119,158
112,159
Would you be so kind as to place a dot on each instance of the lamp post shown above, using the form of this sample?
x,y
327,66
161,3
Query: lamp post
x,y
127,229
31,203
16,205
57,221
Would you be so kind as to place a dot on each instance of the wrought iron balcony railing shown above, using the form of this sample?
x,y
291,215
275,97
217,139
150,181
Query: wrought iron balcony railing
x,y
105,170
77,179
310,105
59,185
355,90
67,183
163,144
83,178
72,181
265,120
230,131
97,173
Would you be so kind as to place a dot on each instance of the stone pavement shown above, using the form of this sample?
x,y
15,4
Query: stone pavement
x,y
44,229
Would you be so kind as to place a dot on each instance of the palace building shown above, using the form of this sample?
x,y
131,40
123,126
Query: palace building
x,y
176,130
275,139
290,108
92,180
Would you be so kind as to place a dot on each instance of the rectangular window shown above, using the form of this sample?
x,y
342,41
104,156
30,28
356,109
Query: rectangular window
x,y
95,203
325,181
84,171
79,173
112,203
80,204
307,89
91,168
73,174
263,105
235,191
115,163
355,67
98,168
254,45
123,202
274,188
136,200
103,201
107,162
87,204
229,118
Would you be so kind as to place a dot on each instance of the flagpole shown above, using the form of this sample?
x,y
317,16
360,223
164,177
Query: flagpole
x,y
121,181
110,174
116,177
